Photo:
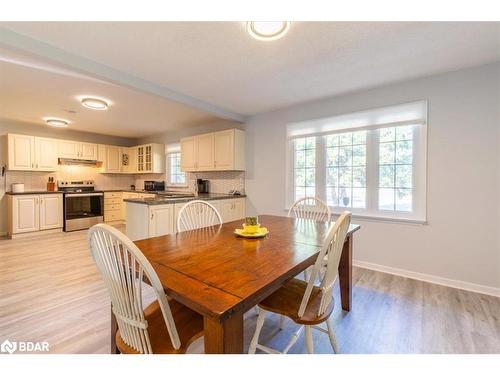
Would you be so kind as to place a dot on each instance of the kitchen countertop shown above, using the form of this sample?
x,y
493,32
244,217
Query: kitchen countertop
x,y
162,200
29,192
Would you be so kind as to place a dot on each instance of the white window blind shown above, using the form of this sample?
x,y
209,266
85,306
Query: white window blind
x,y
372,162
402,114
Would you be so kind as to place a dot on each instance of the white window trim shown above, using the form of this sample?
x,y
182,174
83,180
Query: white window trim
x,y
167,163
419,180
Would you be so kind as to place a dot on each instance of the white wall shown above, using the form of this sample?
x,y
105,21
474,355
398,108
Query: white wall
x,y
461,239
175,136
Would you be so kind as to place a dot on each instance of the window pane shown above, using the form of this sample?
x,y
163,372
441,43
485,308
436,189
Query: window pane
x,y
310,142
311,158
175,175
358,198
332,176
404,152
310,177
331,196
386,153
310,192
358,176
345,156
404,176
386,199
305,166
300,157
404,132
404,200
300,177
359,155
359,138
386,176
346,139
300,144
345,176
332,140
344,197
387,134
332,156
300,192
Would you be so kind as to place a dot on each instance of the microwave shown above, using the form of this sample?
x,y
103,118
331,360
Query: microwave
x,y
154,185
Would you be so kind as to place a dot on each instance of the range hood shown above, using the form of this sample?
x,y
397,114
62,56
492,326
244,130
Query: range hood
x,y
68,161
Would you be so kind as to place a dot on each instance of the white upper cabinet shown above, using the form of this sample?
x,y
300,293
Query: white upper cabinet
x,y
229,150
205,151
151,158
27,153
113,161
77,150
46,154
69,149
188,154
223,151
88,151
21,152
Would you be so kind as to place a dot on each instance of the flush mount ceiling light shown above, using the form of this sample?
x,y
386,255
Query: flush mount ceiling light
x,y
95,103
57,123
267,30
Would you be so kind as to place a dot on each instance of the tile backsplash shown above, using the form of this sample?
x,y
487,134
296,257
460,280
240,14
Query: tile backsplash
x,y
220,182
38,180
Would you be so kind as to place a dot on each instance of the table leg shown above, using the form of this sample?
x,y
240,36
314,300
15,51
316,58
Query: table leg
x,y
224,337
345,274
114,328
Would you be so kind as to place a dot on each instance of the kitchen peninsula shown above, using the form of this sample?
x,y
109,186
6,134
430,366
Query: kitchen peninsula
x,y
157,216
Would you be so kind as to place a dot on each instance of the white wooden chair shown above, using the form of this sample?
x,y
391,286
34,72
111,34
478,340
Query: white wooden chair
x,y
164,326
197,214
311,208
304,302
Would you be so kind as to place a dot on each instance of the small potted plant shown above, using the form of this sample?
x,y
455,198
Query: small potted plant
x,y
251,224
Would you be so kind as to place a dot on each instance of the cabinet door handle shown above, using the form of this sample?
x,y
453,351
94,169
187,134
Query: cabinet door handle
x,y
152,215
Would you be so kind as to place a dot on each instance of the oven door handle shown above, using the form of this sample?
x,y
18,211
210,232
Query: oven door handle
x,y
84,195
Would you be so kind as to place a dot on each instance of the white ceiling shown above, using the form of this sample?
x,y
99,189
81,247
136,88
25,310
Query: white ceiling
x,y
32,89
219,63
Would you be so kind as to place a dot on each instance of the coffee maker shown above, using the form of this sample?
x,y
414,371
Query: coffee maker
x,y
203,185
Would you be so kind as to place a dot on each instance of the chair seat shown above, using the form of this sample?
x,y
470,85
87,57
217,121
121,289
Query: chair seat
x,y
286,301
189,327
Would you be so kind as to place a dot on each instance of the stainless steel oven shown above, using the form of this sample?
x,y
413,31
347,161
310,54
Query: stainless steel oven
x,y
83,206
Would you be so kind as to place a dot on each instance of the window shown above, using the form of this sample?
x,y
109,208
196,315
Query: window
x,y
305,167
175,175
346,169
374,170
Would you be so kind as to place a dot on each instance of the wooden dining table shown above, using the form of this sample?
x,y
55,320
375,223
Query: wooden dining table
x,y
221,276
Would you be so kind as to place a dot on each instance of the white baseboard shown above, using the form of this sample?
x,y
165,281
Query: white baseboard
x,y
483,289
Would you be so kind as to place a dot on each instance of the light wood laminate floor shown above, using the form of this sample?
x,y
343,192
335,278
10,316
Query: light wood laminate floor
x,y
50,291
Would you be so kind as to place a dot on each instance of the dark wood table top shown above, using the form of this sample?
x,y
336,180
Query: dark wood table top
x,y
216,273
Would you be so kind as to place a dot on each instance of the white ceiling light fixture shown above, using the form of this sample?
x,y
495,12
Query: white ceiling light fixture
x,y
268,30
57,122
95,103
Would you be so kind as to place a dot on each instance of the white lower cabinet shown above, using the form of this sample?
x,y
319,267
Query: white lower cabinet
x,y
146,221
232,209
229,209
161,219
32,213
51,211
